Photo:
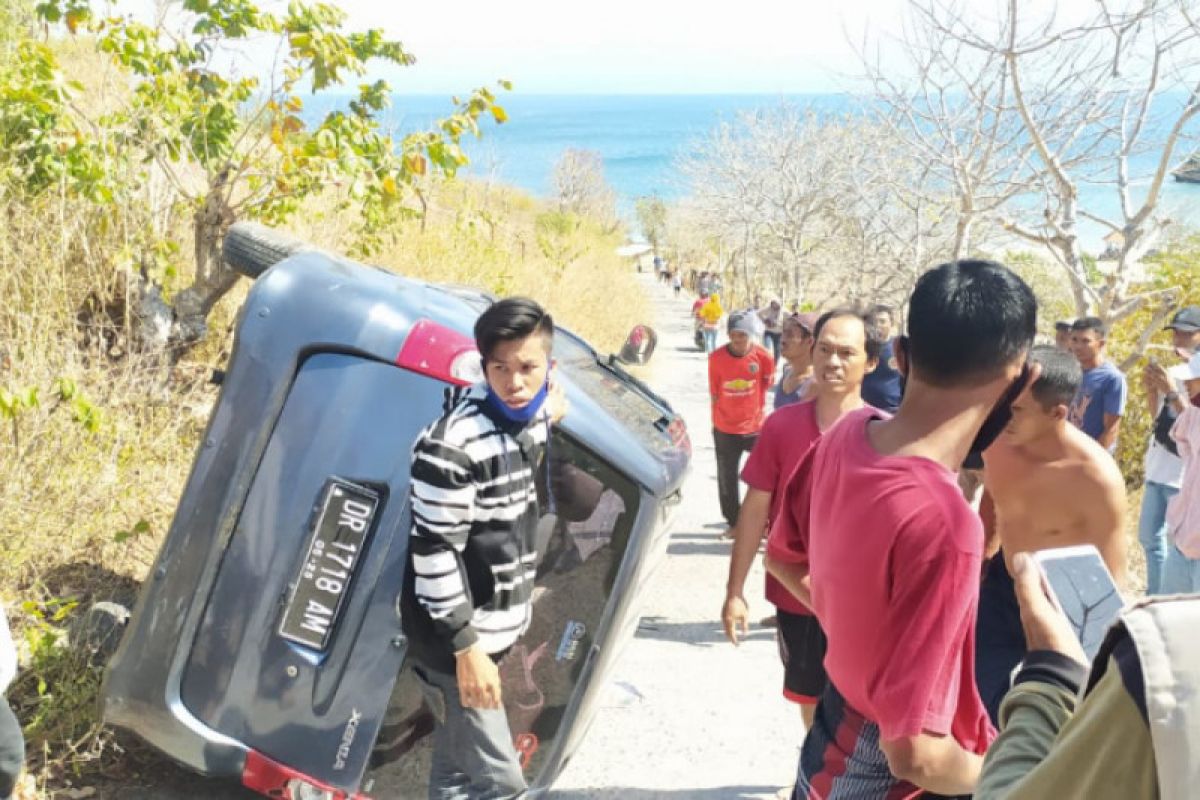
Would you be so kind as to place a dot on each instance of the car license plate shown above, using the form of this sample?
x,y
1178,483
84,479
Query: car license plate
x,y
334,550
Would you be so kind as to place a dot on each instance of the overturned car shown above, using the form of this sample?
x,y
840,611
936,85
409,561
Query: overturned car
x,y
266,645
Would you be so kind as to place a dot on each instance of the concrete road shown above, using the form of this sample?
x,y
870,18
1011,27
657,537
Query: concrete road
x,y
686,715
689,715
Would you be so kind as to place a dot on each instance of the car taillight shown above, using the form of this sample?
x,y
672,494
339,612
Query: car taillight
x,y
272,779
677,430
442,353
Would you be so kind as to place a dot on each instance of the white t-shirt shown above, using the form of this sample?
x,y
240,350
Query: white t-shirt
x,y
1163,466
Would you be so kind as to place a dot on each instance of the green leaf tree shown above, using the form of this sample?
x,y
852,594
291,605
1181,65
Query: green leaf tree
x,y
260,156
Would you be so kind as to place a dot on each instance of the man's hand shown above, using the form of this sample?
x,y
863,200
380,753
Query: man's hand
x,y
1046,627
478,678
734,614
1155,377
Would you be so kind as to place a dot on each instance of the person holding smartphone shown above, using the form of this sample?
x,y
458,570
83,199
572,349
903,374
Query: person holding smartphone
x,y
1125,728
1181,573
1162,380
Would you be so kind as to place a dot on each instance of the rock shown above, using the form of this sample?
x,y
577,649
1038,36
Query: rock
x,y
99,631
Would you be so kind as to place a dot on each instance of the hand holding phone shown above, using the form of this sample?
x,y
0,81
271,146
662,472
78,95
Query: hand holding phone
x,y
1080,584
1046,626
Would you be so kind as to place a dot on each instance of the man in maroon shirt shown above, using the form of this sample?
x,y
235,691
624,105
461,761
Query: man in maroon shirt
x,y
844,350
874,533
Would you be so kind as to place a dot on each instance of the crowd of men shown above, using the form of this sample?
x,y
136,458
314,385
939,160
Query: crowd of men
x,y
913,628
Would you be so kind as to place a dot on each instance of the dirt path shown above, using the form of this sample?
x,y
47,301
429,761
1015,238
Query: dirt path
x,y
689,715
686,715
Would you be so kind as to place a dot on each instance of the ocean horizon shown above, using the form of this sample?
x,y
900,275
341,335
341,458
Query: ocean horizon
x,y
640,138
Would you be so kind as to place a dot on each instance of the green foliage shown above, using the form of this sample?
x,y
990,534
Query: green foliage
x,y
1175,267
55,693
556,238
41,142
140,529
1054,299
262,158
16,403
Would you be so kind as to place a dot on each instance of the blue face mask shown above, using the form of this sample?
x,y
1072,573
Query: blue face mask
x,y
523,414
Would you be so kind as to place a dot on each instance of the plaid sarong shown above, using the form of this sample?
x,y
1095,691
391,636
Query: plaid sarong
x,y
841,758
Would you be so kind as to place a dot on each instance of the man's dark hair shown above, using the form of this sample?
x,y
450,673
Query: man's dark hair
x,y
1060,378
877,310
510,320
1091,324
967,320
873,339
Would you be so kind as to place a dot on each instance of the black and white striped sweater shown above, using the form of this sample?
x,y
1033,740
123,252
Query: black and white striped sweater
x,y
472,554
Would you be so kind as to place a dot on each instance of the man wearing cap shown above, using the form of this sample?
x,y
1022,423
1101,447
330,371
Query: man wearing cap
x,y
740,375
796,348
1062,335
1164,469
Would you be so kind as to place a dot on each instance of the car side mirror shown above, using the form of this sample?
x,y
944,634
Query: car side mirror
x,y
639,346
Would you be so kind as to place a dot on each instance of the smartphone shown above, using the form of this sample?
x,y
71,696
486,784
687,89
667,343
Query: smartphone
x,y
1081,585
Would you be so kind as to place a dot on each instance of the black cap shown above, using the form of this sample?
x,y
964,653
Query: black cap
x,y
1062,325
1186,319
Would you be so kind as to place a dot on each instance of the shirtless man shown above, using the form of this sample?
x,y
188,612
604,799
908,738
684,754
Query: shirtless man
x,y
1048,484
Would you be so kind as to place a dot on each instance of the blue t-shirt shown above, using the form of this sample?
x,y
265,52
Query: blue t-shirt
x,y
783,398
881,387
1103,391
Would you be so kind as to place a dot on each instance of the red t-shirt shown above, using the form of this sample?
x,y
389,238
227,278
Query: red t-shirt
x,y
738,386
786,436
894,554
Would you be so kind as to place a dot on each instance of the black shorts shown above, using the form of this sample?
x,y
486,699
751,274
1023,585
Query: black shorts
x,y
802,651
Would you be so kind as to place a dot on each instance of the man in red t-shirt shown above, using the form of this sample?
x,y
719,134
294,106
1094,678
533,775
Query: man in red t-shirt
x,y
844,350
739,377
874,532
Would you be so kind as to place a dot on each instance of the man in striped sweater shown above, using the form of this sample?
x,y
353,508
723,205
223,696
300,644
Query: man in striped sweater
x,y
472,554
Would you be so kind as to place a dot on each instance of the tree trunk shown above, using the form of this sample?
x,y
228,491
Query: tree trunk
x,y
213,279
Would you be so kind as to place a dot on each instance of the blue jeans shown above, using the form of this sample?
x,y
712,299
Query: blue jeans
x,y
1152,531
1180,575
710,339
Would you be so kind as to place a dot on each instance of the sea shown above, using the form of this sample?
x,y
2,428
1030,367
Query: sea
x,y
641,139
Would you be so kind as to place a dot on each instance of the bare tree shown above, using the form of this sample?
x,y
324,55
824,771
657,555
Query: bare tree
x,y
580,188
1094,98
950,104
766,182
